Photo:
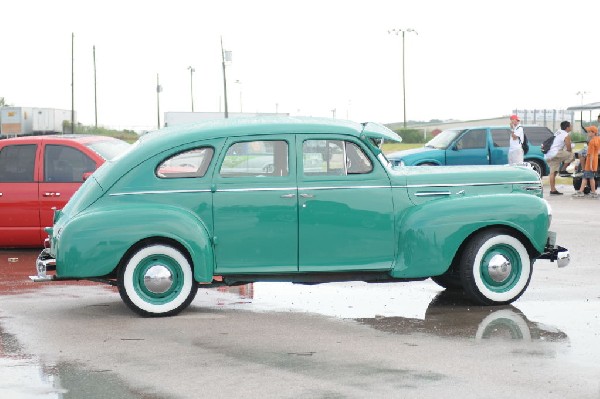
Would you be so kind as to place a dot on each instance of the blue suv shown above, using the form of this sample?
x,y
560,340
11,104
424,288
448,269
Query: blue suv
x,y
486,145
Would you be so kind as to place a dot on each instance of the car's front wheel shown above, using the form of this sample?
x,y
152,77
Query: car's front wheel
x,y
495,267
157,280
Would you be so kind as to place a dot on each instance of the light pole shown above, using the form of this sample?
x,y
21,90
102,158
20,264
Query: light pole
x,y
158,90
583,93
95,92
397,32
192,70
226,57
240,83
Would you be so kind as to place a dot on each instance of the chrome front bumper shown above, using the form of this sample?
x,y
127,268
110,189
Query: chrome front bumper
x,y
555,252
45,262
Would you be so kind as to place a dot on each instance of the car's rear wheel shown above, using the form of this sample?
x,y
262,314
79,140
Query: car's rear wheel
x,y
157,280
495,267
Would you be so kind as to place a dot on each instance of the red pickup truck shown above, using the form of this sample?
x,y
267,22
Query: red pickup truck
x,y
39,173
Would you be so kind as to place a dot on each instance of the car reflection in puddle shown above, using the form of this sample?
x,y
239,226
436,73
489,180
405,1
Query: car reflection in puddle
x,y
25,376
448,313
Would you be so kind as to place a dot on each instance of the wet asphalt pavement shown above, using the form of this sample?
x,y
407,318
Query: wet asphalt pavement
x,y
341,340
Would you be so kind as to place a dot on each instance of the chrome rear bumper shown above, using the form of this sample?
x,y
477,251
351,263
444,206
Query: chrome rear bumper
x,y
44,263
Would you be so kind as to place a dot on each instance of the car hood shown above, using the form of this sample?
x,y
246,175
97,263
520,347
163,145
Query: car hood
x,y
404,153
453,176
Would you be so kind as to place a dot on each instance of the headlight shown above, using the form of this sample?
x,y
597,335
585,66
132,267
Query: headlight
x,y
549,208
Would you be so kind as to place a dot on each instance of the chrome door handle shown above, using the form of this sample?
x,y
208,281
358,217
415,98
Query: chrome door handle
x,y
51,194
307,196
0,194
288,195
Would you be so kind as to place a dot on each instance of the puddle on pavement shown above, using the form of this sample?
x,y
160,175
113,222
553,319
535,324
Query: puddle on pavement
x,y
406,309
27,377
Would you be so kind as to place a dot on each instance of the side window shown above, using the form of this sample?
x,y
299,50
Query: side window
x,y
17,163
357,162
537,134
501,137
256,158
472,139
333,157
193,163
64,164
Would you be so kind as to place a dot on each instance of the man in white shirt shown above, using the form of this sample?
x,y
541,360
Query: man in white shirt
x,y
560,152
515,150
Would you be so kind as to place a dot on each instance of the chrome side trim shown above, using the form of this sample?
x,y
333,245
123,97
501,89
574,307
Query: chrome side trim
x,y
466,184
238,190
533,188
158,192
341,187
432,193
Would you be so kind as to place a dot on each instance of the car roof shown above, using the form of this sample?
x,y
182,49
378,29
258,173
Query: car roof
x,y
81,138
264,125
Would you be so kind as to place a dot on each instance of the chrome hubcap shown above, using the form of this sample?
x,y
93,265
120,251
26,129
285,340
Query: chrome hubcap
x,y
499,268
158,279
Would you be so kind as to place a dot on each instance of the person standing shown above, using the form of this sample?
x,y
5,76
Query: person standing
x,y
590,163
515,150
561,152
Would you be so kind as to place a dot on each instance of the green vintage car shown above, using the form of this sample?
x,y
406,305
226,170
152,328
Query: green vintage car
x,y
304,200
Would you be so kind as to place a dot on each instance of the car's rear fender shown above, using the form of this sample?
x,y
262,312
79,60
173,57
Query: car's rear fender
x,y
431,234
82,252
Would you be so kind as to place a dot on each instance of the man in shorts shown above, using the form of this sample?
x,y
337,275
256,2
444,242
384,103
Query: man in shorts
x,y
561,152
590,163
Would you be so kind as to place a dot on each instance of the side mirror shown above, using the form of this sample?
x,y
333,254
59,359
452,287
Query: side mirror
x,y
86,175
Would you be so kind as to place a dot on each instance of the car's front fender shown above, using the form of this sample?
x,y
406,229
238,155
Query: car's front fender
x,y
431,234
93,243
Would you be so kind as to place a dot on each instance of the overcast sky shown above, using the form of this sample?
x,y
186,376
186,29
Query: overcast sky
x,y
470,59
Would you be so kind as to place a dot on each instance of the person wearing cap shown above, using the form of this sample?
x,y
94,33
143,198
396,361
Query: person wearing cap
x,y
561,152
590,163
515,151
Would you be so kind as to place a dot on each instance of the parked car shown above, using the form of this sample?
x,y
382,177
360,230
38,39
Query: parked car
x,y
486,145
331,208
39,173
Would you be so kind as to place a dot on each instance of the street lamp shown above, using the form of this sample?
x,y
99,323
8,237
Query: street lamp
x,y
397,32
582,93
158,90
239,82
226,57
192,70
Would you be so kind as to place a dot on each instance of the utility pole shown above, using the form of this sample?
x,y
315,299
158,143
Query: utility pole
x,y
224,78
397,32
158,90
95,92
192,70
72,82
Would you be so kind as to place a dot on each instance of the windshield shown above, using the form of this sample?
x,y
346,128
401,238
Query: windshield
x,y
109,149
443,140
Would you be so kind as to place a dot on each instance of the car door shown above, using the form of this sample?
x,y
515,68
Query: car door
x,y
345,206
64,167
255,206
500,144
19,205
471,148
